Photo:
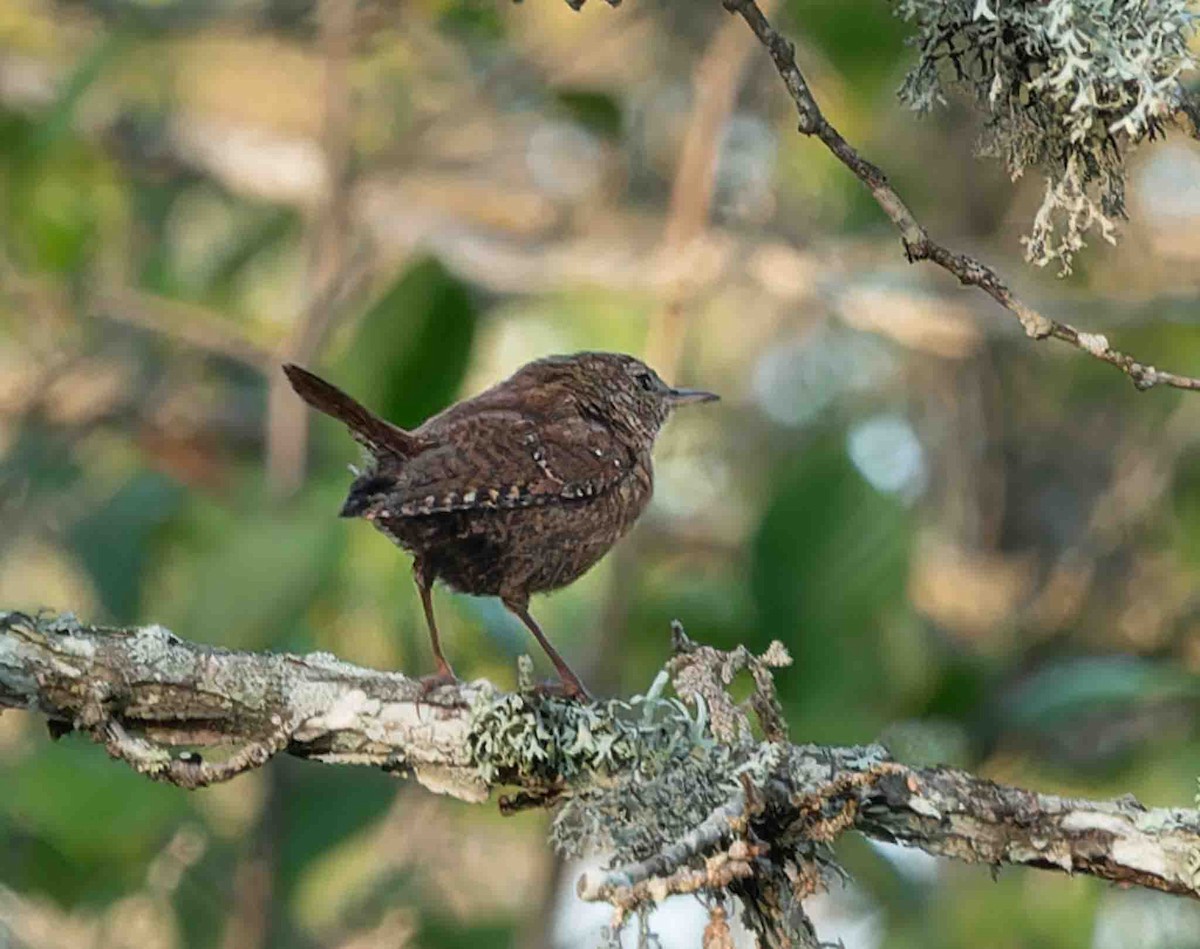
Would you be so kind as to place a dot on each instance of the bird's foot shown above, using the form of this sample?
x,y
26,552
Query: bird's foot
x,y
563,689
437,680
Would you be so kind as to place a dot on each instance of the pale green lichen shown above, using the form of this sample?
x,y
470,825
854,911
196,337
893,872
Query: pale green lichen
x,y
524,738
636,774
1067,88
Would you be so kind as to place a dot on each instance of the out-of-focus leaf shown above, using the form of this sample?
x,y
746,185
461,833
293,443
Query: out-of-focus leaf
x,y
472,19
412,348
1056,912
113,542
1097,710
57,212
151,203
36,469
38,462
1102,715
960,688
202,900
248,576
86,825
55,123
263,227
1186,496
237,234
308,823
60,189
863,40
829,561
596,111
1079,685
438,932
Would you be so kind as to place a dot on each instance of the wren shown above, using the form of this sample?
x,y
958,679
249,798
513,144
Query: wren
x,y
516,491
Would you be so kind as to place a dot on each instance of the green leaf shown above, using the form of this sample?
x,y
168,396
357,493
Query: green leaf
x,y
202,900
1074,687
441,932
412,348
57,211
861,38
830,561
38,468
56,122
309,826
472,20
114,541
260,228
598,112
83,827
246,577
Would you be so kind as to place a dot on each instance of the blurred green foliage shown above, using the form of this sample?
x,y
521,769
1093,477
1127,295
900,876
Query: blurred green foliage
x,y
861,39
79,828
156,508
413,344
828,597
115,540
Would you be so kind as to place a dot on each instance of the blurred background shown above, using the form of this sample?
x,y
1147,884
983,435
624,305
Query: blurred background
x,y
979,549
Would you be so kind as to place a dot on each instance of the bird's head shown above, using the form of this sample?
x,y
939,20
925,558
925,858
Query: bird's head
x,y
621,389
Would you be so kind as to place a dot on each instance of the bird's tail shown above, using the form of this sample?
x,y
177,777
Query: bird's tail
x,y
379,436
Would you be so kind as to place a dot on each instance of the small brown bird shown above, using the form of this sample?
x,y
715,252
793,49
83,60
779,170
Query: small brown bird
x,y
518,490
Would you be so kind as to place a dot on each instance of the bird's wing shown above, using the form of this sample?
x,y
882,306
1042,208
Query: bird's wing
x,y
503,458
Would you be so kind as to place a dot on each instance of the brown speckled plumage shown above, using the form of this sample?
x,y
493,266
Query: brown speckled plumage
x,y
518,490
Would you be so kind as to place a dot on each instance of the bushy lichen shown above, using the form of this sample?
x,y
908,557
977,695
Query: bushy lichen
x,y
526,739
1067,87
645,810
636,774
638,771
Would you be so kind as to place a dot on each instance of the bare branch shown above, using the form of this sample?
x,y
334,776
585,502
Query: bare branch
x,y
918,245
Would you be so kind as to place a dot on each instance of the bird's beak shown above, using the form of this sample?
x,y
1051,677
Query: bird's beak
x,y
690,396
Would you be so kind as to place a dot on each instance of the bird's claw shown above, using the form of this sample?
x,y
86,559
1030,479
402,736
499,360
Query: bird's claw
x,y
562,689
437,680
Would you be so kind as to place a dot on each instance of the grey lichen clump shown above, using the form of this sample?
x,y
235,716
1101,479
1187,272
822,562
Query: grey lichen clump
x,y
647,809
1067,87
635,774
524,739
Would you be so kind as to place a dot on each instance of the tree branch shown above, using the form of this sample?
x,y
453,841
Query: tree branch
x,y
918,245
705,808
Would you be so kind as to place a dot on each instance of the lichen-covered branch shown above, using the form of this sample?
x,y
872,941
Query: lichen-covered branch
x,y
144,692
918,245
684,795
1067,88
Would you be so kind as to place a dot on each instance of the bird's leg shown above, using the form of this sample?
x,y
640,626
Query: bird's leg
x,y
572,687
445,675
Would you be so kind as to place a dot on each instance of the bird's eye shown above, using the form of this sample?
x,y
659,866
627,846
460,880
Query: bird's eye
x,y
646,381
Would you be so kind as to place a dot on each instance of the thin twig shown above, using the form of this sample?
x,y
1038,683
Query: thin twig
x,y
189,323
918,245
